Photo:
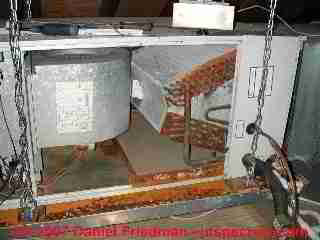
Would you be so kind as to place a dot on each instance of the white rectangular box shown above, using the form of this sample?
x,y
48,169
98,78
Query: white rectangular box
x,y
208,16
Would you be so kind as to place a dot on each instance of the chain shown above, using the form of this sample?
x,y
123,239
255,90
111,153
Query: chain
x,y
261,101
266,59
27,197
28,12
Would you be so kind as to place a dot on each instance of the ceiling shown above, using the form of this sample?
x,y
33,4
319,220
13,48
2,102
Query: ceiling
x,y
292,10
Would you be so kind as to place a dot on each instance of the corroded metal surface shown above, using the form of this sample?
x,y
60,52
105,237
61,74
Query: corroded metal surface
x,y
219,193
214,169
134,200
203,79
159,211
203,134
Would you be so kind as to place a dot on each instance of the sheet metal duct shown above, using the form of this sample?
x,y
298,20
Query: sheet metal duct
x,y
7,95
303,135
79,96
304,129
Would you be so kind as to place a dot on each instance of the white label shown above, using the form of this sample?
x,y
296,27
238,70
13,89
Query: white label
x,y
74,106
240,129
255,81
137,90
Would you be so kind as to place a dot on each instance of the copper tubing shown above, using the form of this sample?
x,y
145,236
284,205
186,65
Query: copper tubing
x,y
187,126
217,108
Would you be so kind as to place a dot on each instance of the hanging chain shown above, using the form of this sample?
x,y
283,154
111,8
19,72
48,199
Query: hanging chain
x,y
266,59
27,197
28,13
261,102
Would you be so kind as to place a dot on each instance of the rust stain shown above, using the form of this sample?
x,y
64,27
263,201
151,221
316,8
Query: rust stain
x,y
139,199
203,134
9,217
201,80
210,170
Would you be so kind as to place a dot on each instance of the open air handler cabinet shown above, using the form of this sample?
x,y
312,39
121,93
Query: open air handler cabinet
x,y
79,93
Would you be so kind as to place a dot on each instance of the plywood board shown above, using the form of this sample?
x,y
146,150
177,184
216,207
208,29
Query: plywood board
x,y
148,152
70,8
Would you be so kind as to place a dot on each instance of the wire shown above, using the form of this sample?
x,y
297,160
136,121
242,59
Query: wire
x,y
6,183
7,197
310,201
7,126
280,18
194,218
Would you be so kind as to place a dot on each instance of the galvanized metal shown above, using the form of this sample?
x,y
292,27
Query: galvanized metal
x,y
22,174
303,135
158,211
244,103
81,96
7,92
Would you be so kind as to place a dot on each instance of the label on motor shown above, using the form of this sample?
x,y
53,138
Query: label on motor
x,y
74,106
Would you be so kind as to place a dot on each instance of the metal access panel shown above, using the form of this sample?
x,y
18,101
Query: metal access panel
x,y
10,114
79,96
304,131
282,72
7,96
